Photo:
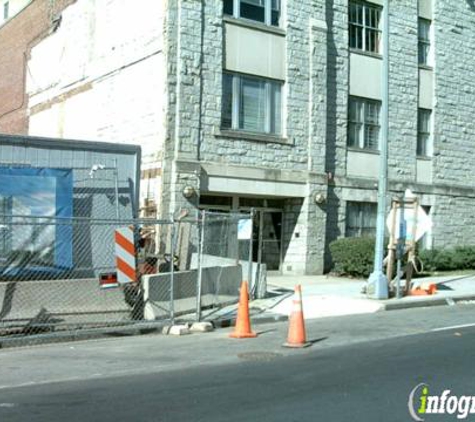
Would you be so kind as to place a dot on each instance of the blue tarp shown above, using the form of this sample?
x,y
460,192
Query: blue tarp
x,y
38,192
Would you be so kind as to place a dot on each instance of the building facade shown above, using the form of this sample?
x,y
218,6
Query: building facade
x,y
272,105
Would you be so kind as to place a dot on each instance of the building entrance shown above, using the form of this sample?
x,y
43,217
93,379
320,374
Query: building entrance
x,y
267,224
267,239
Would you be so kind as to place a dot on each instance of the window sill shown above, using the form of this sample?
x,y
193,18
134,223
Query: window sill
x,y
251,136
426,67
366,53
245,23
365,150
424,158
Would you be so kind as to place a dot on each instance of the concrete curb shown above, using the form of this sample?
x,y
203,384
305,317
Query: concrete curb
x,y
255,319
423,303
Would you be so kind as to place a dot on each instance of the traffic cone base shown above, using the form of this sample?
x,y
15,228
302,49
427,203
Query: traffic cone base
x,y
244,335
297,345
297,337
243,322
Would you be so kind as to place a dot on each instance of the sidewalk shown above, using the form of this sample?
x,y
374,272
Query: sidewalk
x,y
326,296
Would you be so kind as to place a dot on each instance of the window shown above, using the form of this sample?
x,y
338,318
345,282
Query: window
x,y
265,11
6,7
361,219
251,104
424,41
363,123
424,136
365,27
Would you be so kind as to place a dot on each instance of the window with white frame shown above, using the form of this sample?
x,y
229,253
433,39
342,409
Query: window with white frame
x,y
364,123
265,11
360,219
424,41
365,27
424,133
251,104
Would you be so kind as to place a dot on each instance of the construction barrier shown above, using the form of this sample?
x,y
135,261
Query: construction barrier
x,y
74,276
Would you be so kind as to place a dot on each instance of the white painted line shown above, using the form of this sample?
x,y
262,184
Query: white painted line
x,y
454,327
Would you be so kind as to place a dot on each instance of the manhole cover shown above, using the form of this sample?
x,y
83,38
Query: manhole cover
x,y
259,356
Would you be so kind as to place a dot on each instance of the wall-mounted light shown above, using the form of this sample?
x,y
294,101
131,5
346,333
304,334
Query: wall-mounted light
x,y
319,198
188,191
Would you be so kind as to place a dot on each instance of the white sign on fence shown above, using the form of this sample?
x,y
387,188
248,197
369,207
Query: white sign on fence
x,y
244,229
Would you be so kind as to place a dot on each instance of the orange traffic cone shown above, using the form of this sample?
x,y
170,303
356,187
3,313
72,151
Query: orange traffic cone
x,y
243,323
297,336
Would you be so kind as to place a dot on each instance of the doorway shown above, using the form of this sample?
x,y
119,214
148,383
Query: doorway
x,y
267,227
267,238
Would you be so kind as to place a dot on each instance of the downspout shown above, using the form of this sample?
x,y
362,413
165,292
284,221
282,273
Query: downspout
x,y
200,117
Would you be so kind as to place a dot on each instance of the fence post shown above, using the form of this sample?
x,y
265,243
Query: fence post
x,y
172,273
201,225
250,269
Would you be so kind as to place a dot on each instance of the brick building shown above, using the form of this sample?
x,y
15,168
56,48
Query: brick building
x,y
23,24
270,104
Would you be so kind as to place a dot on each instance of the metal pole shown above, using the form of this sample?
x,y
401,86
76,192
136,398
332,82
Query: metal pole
x,y
398,279
401,244
172,275
116,180
201,224
250,269
377,282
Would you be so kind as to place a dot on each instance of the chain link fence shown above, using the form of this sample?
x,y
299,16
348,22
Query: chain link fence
x,y
73,276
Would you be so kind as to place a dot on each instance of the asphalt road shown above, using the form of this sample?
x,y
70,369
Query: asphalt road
x,y
368,381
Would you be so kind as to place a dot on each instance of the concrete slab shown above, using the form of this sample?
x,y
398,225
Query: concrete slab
x,y
201,327
177,330
326,296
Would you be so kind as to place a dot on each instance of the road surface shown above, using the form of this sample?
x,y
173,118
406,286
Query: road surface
x,y
351,381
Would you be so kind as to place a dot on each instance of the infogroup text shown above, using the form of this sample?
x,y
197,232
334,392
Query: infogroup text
x,y
422,403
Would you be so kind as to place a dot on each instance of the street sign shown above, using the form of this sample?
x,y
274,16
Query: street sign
x,y
412,216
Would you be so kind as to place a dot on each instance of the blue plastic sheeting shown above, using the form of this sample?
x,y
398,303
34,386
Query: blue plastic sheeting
x,y
38,192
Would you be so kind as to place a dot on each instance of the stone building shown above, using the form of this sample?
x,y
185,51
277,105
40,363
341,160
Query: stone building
x,y
272,105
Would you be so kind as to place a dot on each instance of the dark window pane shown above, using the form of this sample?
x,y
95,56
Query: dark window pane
x,y
252,105
360,219
228,7
372,137
356,37
356,13
354,134
251,202
253,10
227,102
215,200
275,13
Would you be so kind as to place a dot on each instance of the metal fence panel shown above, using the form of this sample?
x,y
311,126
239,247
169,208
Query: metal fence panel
x,y
57,274
225,258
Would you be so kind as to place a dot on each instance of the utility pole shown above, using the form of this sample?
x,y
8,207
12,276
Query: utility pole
x,y
377,282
